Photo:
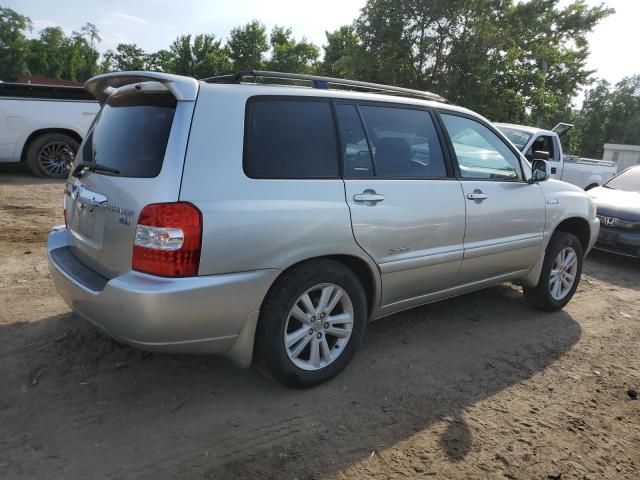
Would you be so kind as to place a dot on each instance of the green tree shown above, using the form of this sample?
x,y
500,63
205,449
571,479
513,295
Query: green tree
x,y
623,125
55,55
128,56
203,57
589,134
13,43
90,31
81,58
344,56
84,56
46,55
248,46
160,61
288,55
509,60
608,115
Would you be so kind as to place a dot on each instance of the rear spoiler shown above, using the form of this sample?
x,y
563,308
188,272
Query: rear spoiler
x,y
183,88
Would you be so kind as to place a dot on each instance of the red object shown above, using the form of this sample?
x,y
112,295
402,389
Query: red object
x,y
64,205
183,262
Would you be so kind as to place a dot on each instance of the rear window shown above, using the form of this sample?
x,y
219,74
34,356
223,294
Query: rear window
x,y
290,138
131,133
404,143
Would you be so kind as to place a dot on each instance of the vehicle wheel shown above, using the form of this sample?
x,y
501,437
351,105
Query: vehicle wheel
x,y
311,324
51,155
560,274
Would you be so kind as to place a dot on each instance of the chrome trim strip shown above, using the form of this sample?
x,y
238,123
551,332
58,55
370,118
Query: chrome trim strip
x,y
475,250
88,197
423,261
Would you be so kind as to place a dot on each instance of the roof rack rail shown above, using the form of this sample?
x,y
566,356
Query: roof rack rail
x,y
324,82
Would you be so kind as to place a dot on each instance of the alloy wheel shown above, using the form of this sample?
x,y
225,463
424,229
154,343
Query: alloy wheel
x,y
319,326
563,273
55,158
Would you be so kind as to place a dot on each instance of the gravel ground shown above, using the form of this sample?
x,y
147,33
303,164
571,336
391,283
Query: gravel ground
x,y
480,386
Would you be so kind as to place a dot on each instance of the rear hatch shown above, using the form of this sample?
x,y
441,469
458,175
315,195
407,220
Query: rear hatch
x,y
135,152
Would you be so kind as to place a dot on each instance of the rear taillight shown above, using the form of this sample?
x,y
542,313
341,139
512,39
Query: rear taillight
x,y
64,204
168,239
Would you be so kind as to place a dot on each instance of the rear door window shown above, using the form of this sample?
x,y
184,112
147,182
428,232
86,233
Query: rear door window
x,y
404,143
290,138
131,133
355,149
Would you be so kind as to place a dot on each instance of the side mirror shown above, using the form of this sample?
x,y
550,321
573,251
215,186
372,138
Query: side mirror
x,y
541,155
539,171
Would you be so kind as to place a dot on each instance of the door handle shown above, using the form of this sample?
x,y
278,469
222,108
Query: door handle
x,y
370,197
477,196
553,170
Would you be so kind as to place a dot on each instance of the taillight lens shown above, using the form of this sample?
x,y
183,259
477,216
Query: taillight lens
x,y
168,240
64,204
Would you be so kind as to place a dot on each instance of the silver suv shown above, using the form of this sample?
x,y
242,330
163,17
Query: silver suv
x,y
270,222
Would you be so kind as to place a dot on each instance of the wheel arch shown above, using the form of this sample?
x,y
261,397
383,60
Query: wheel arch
x,y
577,226
369,278
43,131
243,350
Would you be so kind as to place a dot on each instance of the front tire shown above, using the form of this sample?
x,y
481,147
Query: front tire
x,y
560,275
311,324
51,155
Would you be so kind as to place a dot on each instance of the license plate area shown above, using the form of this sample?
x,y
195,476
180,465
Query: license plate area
x,y
86,216
87,223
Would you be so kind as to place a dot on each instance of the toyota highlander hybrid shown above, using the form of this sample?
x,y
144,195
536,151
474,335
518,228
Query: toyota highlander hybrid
x,y
268,222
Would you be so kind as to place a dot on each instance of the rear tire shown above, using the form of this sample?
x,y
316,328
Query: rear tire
x,y
560,273
51,155
296,307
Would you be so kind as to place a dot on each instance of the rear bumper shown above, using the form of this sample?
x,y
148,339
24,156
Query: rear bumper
x,y
619,241
180,315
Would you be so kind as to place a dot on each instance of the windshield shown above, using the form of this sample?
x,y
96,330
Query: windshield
x,y
518,137
629,181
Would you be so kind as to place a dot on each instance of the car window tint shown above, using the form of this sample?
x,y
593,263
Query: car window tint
x,y
404,142
481,153
355,149
291,139
131,134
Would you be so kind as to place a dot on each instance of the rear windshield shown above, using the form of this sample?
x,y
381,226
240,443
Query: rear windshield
x,y
131,133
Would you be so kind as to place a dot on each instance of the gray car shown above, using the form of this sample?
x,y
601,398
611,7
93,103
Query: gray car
x,y
618,208
270,222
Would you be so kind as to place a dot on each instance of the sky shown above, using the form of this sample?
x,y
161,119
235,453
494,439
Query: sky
x,y
154,24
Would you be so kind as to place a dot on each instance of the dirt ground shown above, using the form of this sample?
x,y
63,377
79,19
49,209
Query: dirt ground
x,y
481,386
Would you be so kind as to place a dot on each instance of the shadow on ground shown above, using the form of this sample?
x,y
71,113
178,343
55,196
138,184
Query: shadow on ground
x,y
75,403
18,173
614,269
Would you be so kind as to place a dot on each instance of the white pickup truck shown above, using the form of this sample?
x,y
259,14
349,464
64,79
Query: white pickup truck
x,y
44,125
545,144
